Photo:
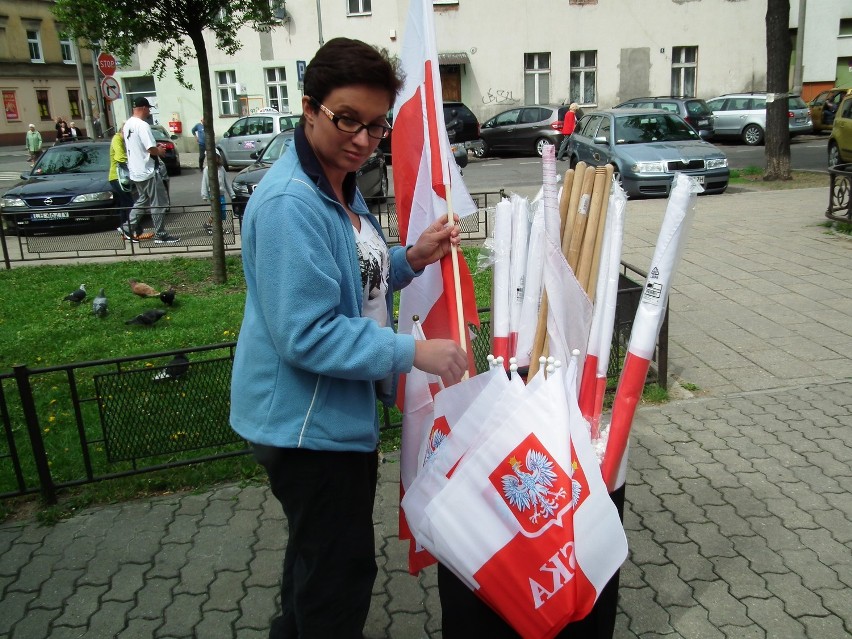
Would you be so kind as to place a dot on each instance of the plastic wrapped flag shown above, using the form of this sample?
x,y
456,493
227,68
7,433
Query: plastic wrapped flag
x,y
648,320
501,280
526,519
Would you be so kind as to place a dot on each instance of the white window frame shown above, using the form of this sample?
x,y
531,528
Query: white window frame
x,y
34,44
365,7
277,85
684,71
226,88
66,47
586,72
537,74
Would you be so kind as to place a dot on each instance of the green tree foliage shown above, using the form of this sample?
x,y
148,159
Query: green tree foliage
x,y
178,27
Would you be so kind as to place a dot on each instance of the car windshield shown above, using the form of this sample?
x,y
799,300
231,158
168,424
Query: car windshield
x,y
657,127
81,159
697,108
160,135
795,102
276,148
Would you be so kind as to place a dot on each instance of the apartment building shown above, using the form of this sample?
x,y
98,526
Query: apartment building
x,y
38,72
495,54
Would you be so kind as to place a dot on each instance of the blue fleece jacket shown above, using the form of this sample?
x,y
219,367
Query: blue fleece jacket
x,y
307,363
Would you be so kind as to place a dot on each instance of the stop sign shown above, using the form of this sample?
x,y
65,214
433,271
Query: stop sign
x,y
106,63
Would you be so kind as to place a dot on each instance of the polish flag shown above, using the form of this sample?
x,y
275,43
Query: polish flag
x,y
427,185
649,318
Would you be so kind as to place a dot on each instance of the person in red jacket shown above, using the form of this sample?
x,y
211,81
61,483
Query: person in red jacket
x,y
567,129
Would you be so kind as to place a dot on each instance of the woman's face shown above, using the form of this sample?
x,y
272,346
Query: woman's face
x,y
340,152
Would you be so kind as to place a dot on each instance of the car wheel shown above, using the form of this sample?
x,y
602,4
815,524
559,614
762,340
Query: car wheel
x,y
540,144
753,135
833,155
480,151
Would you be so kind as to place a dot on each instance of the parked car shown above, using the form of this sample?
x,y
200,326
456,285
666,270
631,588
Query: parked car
x,y
372,177
250,134
67,190
840,140
166,139
462,129
694,110
646,147
743,115
523,129
823,118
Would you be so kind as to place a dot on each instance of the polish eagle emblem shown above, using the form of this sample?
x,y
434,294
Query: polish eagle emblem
x,y
533,488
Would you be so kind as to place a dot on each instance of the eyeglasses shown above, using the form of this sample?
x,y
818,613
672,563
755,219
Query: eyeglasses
x,y
348,125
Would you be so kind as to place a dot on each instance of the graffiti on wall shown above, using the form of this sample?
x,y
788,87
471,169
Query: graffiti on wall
x,y
499,96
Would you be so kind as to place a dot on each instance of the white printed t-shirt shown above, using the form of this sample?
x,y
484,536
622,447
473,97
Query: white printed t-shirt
x,y
138,139
375,269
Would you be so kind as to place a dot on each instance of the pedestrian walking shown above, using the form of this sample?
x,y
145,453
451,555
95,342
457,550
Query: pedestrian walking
x,y
568,126
317,344
33,143
225,188
198,132
143,160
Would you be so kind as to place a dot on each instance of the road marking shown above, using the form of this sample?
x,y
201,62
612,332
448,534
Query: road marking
x,y
9,175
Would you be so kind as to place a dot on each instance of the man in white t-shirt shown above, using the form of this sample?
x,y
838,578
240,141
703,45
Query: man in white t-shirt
x,y
143,158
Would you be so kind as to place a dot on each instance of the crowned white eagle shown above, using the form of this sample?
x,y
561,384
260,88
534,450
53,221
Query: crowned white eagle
x,y
525,490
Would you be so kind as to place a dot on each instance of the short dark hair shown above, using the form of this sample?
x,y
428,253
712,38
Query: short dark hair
x,y
344,62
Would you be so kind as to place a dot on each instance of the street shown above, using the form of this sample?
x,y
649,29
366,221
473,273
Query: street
x,y
808,152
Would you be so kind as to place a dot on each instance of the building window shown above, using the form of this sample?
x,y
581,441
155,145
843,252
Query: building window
x,y
683,70
536,78
67,49
74,103
226,82
583,75
358,7
34,43
845,27
43,104
276,89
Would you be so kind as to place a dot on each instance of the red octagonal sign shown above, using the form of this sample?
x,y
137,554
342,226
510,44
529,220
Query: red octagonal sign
x,y
106,63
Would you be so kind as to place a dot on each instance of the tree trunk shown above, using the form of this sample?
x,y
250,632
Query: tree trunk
x,y
220,274
778,51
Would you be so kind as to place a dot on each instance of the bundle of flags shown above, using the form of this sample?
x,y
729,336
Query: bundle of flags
x,y
499,478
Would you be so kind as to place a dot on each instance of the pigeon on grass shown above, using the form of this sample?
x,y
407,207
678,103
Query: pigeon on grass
x,y
168,297
76,296
147,318
142,289
174,369
99,304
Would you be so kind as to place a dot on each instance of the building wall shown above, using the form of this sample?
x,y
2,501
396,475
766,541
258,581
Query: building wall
x,y
20,78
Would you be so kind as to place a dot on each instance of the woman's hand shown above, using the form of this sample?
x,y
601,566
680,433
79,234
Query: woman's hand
x,y
442,357
434,243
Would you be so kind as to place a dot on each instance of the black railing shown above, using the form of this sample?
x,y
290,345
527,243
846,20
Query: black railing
x,y
840,193
64,239
80,423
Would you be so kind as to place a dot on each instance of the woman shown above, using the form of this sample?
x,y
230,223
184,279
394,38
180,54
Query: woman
x,y
568,126
316,346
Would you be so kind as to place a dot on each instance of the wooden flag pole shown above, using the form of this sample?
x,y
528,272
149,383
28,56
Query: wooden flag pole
x,y
456,275
565,200
587,249
572,250
593,276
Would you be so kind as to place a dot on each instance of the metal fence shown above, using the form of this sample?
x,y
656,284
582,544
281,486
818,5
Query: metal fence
x,y
188,223
92,421
840,193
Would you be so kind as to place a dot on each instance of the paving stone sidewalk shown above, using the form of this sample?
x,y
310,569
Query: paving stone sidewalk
x,y
738,518
739,499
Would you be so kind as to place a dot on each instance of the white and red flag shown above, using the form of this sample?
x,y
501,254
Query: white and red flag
x,y
427,185
649,318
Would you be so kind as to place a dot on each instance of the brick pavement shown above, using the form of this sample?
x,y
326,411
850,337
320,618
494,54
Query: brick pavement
x,y
739,499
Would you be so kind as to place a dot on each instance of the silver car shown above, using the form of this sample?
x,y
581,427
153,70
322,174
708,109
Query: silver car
x,y
743,115
250,134
526,129
646,147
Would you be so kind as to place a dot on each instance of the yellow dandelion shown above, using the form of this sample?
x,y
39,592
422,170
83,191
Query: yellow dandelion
x,y
46,430
52,418
52,401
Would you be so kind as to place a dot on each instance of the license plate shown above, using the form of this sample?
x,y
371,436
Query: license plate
x,y
50,215
703,122
700,178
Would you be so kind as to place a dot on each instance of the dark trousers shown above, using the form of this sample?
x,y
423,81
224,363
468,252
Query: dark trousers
x,y
466,615
123,200
201,153
330,563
